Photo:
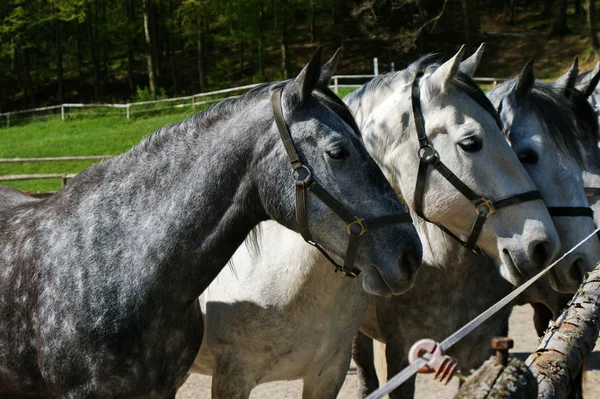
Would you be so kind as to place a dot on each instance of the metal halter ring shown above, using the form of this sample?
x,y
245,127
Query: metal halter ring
x,y
297,175
357,222
486,207
428,154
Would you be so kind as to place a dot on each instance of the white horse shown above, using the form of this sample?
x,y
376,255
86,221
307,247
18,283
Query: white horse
x,y
282,319
454,297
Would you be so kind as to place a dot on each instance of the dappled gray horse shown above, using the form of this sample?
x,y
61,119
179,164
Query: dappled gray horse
x,y
276,316
467,284
99,283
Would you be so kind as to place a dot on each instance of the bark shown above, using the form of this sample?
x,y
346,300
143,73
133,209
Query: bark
x,y
93,56
468,24
148,41
130,45
578,7
547,7
259,44
560,19
591,22
27,83
59,61
313,29
79,60
241,57
568,342
200,40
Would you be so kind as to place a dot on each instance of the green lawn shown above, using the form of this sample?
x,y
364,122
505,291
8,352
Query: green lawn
x,y
108,135
57,138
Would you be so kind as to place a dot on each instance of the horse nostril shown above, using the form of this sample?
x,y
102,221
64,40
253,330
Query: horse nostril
x,y
576,271
540,254
408,262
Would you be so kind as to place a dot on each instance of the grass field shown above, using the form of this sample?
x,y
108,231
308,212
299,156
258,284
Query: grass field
x,y
56,138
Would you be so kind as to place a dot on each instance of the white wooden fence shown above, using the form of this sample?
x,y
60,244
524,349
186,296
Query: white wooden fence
x,y
189,101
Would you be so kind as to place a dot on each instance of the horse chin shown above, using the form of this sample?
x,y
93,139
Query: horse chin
x,y
374,283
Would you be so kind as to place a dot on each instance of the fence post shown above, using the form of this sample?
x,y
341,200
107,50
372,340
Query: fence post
x,y
63,180
336,88
7,120
128,112
375,67
62,112
193,102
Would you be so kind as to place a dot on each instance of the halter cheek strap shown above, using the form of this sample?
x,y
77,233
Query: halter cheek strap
x,y
428,156
304,184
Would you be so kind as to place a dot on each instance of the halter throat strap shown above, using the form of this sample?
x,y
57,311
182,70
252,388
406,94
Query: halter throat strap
x,y
304,183
428,156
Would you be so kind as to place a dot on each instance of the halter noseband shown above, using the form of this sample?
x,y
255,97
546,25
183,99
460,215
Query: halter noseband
x,y
304,183
428,156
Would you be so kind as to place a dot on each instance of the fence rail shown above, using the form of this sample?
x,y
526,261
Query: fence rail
x,y
190,101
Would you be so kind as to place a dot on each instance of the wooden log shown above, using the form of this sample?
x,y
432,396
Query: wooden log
x,y
494,381
568,341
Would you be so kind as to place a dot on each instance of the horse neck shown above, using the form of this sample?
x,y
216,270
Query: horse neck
x,y
180,202
363,101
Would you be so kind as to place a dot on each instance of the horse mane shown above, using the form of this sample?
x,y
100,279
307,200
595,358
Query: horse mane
x,y
200,122
587,122
556,115
428,64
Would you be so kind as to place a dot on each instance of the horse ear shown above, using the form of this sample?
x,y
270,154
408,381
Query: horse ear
x,y
525,81
309,76
469,66
328,69
567,81
591,85
443,76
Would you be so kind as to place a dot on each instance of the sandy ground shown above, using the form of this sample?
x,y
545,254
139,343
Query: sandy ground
x,y
521,330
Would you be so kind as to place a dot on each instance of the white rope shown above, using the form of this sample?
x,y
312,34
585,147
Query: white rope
x,y
411,370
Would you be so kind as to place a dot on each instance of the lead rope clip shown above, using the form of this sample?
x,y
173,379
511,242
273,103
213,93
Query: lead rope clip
x,y
443,366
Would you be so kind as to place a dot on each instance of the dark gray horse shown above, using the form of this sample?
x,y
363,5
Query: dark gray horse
x,y
99,283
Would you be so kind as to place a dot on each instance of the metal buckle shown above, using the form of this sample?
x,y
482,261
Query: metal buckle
x,y
428,154
485,207
357,222
297,175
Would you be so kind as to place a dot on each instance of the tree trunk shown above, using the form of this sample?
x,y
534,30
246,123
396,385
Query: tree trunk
x,y
148,40
591,22
560,19
200,40
79,60
155,34
92,46
468,24
28,86
313,28
547,7
241,57
578,7
259,44
130,45
59,61
568,341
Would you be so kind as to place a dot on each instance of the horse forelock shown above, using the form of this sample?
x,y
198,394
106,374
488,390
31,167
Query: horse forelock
x,y
427,64
555,113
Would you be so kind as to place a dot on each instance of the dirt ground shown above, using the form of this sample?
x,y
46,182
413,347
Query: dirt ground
x,y
521,329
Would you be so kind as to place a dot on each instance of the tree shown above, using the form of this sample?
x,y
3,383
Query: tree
x,y
560,27
591,23
149,52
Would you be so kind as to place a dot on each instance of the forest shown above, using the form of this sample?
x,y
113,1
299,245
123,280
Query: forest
x,y
56,51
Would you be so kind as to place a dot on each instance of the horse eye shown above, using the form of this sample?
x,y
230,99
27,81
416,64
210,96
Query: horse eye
x,y
337,153
471,144
528,156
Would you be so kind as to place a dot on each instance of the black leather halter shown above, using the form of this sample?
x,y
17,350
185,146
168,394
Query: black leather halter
x,y
428,156
304,183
